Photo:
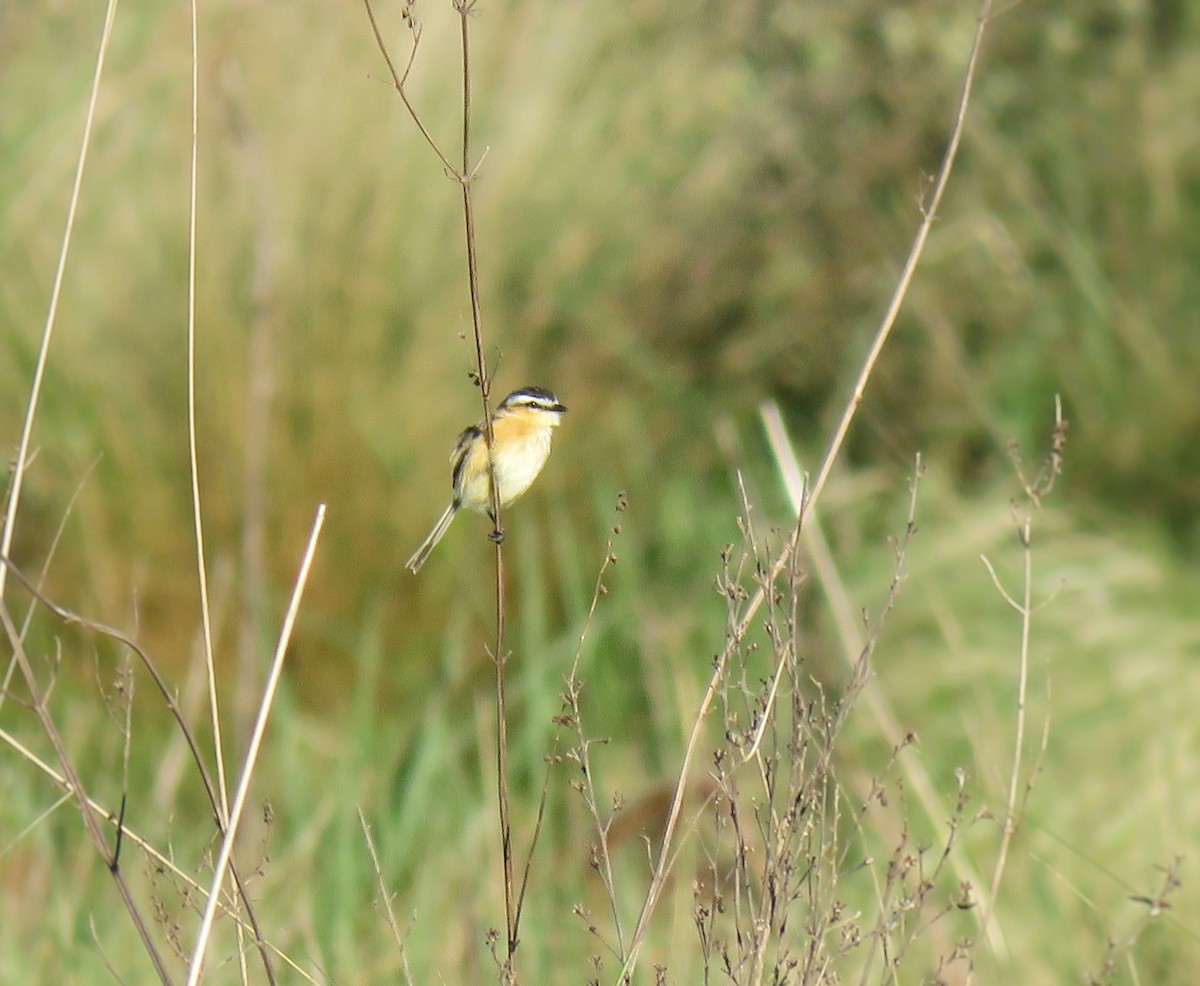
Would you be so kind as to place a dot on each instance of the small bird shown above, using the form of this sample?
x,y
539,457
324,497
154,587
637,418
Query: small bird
x,y
522,426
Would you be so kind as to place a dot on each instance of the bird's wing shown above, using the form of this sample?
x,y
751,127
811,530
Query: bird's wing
x,y
459,456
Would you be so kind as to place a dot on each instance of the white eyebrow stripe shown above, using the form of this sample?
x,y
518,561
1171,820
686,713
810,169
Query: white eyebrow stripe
x,y
521,398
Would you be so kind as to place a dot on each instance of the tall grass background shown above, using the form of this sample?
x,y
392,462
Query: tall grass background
x,y
682,213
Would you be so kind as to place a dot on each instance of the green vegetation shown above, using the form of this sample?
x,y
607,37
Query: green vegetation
x,y
682,213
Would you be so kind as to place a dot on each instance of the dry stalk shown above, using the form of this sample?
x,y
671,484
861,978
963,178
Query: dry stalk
x,y
385,898
206,630
788,848
465,175
171,700
23,455
112,859
1035,490
260,726
850,636
571,718
1156,904
193,460
160,859
781,563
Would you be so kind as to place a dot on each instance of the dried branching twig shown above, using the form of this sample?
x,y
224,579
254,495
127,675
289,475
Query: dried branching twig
x,y
465,175
1035,491
385,898
1156,904
782,808
571,718
90,821
160,859
170,699
784,558
827,575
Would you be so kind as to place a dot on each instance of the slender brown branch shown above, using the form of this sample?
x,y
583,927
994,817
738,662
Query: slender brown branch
x,y
160,859
90,822
117,977
70,618
398,84
465,176
570,717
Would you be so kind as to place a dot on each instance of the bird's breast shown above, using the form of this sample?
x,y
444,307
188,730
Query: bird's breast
x,y
519,457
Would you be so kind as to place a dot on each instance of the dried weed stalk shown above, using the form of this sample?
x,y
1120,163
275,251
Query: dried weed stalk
x,y
784,560
465,174
790,837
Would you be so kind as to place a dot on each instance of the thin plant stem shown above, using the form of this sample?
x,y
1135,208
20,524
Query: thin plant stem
x,y
929,213
39,372
193,457
570,717
260,726
33,824
193,745
1036,488
206,631
385,897
466,178
571,699
111,857
830,579
160,858
398,82
465,175
1025,608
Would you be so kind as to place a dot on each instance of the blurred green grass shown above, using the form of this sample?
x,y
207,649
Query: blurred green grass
x,y
680,215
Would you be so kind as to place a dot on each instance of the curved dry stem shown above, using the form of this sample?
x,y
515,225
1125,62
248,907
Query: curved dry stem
x,y
570,717
385,897
39,700
70,618
193,459
144,844
1035,491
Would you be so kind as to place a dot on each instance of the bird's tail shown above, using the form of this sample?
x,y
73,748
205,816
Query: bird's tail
x,y
418,558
